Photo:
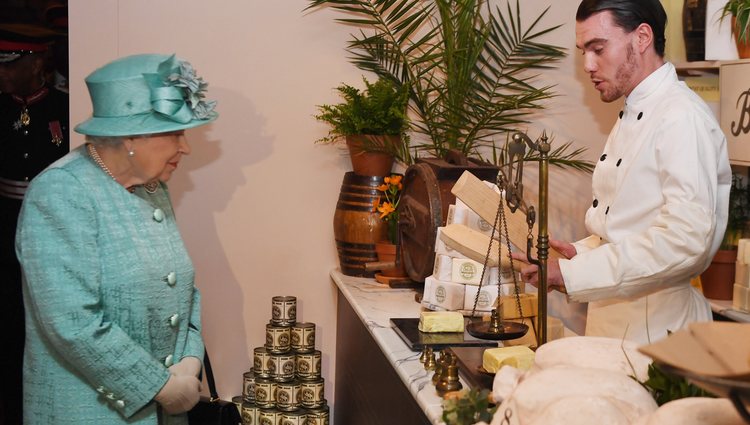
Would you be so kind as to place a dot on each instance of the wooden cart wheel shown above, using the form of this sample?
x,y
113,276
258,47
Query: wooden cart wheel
x,y
420,214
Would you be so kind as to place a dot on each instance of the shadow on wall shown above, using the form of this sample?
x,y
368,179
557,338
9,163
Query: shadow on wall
x,y
203,188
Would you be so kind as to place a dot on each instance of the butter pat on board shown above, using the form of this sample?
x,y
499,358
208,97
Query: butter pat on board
x,y
441,321
519,357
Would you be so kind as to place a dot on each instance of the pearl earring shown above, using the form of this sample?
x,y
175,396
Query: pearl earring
x,y
131,153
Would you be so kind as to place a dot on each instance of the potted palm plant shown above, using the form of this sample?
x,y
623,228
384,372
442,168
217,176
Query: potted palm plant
x,y
468,69
373,122
718,279
739,10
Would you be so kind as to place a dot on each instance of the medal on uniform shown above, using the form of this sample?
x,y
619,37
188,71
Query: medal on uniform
x,y
25,118
56,131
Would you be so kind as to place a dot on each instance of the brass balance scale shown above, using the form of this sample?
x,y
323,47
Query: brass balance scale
x,y
510,182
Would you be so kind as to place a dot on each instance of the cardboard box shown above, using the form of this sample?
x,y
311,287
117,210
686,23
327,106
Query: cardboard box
x,y
509,306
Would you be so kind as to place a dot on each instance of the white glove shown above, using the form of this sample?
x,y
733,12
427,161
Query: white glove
x,y
179,394
189,366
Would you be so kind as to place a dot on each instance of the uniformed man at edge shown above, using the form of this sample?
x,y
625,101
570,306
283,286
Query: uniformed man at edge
x,y
33,133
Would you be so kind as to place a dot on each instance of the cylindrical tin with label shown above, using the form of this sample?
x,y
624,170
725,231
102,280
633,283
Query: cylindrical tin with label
x,y
278,338
249,413
317,416
288,395
268,416
282,367
265,393
308,365
237,400
303,337
312,393
260,362
284,310
293,418
248,386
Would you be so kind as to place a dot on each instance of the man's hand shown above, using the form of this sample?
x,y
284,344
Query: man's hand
x,y
530,272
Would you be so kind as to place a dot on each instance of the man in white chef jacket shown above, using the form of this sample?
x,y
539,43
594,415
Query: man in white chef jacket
x,y
660,188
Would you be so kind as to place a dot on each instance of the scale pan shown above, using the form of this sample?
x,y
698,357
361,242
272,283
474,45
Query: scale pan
x,y
510,330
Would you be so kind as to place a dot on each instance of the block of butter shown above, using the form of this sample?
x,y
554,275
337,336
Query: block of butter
x,y
509,306
519,357
441,321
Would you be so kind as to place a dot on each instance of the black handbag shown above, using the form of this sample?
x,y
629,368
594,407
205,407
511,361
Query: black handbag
x,y
213,410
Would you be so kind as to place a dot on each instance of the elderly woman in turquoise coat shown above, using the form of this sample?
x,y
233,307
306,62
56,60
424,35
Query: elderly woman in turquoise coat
x,y
112,313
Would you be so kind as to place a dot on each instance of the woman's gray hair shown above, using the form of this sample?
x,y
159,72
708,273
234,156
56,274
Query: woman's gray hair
x,y
105,140
110,140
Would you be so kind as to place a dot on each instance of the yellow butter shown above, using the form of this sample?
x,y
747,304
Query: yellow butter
x,y
520,357
441,321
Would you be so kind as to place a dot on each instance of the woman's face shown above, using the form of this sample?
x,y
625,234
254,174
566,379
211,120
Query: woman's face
x,y
157,156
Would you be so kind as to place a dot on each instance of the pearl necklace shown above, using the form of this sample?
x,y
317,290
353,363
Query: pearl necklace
x,y
150,186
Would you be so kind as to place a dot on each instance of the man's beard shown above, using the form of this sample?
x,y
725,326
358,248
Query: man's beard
x,y
623,75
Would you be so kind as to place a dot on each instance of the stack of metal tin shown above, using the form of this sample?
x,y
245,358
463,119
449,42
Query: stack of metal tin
x,y
284,386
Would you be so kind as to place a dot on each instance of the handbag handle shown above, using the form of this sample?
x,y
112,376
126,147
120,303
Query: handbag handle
x,y
210,378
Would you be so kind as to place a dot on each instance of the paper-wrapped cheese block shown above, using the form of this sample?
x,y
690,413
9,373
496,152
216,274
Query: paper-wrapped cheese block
x,y
469,272
442,268
486,299
741,298
441,321
441,294
518,357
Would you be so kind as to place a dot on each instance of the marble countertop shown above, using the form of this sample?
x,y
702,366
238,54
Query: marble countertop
x,y
724,308
376,304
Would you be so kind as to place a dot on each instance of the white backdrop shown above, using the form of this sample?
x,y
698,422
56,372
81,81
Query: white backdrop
x,y
255,200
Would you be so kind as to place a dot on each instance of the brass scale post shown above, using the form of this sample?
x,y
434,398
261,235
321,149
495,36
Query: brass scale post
x,y
512,187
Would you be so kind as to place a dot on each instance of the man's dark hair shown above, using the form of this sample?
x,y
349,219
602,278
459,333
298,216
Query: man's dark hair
x,y
628,14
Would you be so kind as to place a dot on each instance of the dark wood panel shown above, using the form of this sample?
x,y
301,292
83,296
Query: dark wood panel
x,y
368,389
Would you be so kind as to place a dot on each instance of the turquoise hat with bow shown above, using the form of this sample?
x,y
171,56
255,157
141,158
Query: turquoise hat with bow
x,y
146,94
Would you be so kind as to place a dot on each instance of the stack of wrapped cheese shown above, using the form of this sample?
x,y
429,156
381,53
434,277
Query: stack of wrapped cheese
x,y
454,283
741,295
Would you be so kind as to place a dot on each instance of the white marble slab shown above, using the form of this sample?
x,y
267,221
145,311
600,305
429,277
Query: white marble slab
x,y
376,304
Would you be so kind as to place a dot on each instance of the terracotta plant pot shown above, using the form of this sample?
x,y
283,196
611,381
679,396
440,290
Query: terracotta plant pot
x,y
388,252
718,279
367,163
743,48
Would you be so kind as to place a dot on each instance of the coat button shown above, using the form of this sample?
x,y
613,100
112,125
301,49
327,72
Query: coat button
x,y
25,155
120,404
603,157
168,361
595,203
110,396
158,215
606,212
100,390
171,278
619,161
174,320
621,113
640,115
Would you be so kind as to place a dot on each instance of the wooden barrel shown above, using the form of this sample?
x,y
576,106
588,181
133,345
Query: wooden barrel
x,y
356,227
424,207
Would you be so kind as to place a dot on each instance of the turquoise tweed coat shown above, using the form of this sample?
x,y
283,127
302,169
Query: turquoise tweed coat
x,y
110,298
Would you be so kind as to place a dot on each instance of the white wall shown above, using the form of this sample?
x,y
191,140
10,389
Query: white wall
x,y
256,198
